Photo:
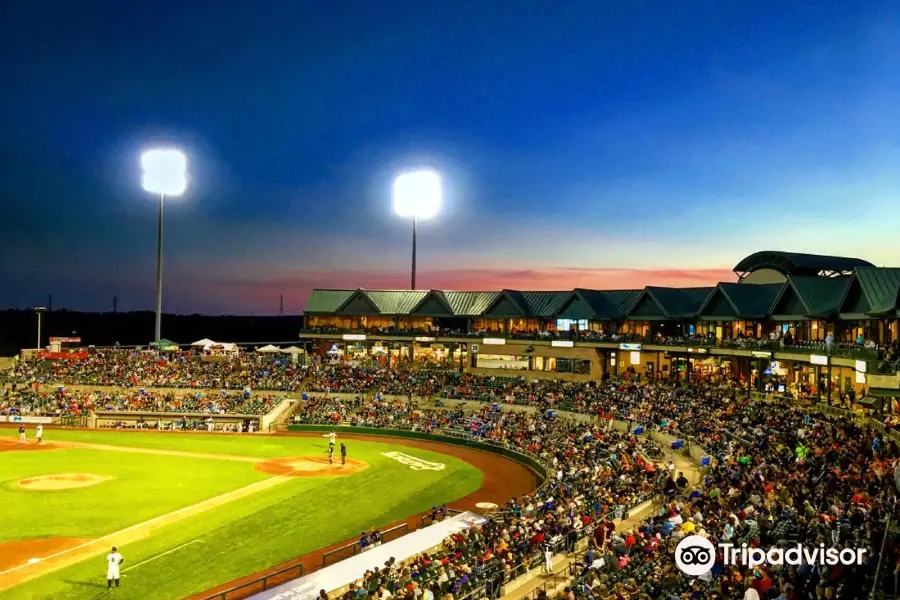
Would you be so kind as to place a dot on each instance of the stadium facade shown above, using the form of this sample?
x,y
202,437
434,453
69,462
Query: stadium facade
x,y
789,319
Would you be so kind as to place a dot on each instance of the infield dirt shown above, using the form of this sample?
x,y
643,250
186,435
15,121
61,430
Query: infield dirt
x,y
7,445
21,551
309,466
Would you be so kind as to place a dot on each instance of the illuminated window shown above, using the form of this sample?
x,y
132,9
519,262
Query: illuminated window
x,y
568,324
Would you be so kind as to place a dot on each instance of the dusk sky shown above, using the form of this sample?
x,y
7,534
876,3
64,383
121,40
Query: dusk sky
x,y
582,143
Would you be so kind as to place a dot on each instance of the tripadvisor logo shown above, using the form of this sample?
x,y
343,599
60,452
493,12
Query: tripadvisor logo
x,y
695,555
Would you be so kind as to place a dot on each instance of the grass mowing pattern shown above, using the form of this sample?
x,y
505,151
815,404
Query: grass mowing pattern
x,y
140,487
254,533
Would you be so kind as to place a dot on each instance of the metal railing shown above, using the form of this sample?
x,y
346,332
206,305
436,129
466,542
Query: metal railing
x,y
352,549
260,584
838,349
555,580
427,520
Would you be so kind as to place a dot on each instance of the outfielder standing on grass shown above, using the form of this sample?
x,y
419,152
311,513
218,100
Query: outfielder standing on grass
x,y
113,560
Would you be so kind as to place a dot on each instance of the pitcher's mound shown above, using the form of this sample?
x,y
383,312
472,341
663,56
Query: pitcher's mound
x,y
62,481
310,466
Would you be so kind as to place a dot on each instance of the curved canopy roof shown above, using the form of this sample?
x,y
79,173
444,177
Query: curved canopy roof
x,y
793,263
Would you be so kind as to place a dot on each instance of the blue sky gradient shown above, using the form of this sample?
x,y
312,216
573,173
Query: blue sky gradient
x,y
599,144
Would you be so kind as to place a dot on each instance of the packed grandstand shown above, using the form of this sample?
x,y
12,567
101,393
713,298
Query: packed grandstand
x,y
776,472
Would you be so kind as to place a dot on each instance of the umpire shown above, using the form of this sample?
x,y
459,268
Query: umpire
x,y
343,454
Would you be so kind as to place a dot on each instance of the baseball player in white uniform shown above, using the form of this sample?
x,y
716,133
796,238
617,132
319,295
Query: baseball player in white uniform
x,y
113,560
39,433
331,439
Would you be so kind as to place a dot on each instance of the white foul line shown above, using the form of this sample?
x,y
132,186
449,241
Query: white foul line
x,y
170,517
143,562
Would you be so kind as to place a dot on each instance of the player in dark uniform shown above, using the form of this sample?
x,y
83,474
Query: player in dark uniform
x,y
343,454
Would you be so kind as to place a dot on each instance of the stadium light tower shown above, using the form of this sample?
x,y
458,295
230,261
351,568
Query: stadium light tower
x,y
417,194
165,173
39,311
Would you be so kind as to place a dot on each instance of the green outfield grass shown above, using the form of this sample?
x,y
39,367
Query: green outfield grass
x,y
248,535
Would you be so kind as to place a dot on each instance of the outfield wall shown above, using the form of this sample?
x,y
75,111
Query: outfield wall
x,y
529,461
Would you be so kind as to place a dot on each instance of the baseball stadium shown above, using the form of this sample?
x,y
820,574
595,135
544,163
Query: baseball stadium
x,y
470,445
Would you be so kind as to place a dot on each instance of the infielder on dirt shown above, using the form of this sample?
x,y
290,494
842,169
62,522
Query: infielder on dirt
x,y
113,560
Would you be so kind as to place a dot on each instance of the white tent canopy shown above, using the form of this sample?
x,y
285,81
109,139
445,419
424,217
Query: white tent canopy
x,y
293,350
269,349
202,343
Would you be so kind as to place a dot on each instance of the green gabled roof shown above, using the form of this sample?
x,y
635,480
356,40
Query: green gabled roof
x,y
718,307
646,308
358,304
881,288
545,305
396,302
789,304
327,301
854,304
751,301
679,303
434,304
470,304
609,304
575,307
821,295
508,304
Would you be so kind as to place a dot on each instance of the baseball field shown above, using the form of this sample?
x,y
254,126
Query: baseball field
x,y
190,512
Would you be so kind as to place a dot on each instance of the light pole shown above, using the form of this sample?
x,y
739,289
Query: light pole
x,y
165,174
417,194
39,310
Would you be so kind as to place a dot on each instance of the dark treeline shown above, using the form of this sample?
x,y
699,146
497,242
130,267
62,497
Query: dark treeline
x,y
18,328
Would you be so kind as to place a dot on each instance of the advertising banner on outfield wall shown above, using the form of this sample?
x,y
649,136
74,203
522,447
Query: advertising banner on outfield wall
x,y
26,419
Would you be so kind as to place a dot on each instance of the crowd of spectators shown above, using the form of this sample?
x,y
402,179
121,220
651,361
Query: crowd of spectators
x,y
64,403
14,402
789,478
779,475
136,369
348,378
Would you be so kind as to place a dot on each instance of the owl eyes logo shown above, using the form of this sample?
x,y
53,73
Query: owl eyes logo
x,y
695,555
